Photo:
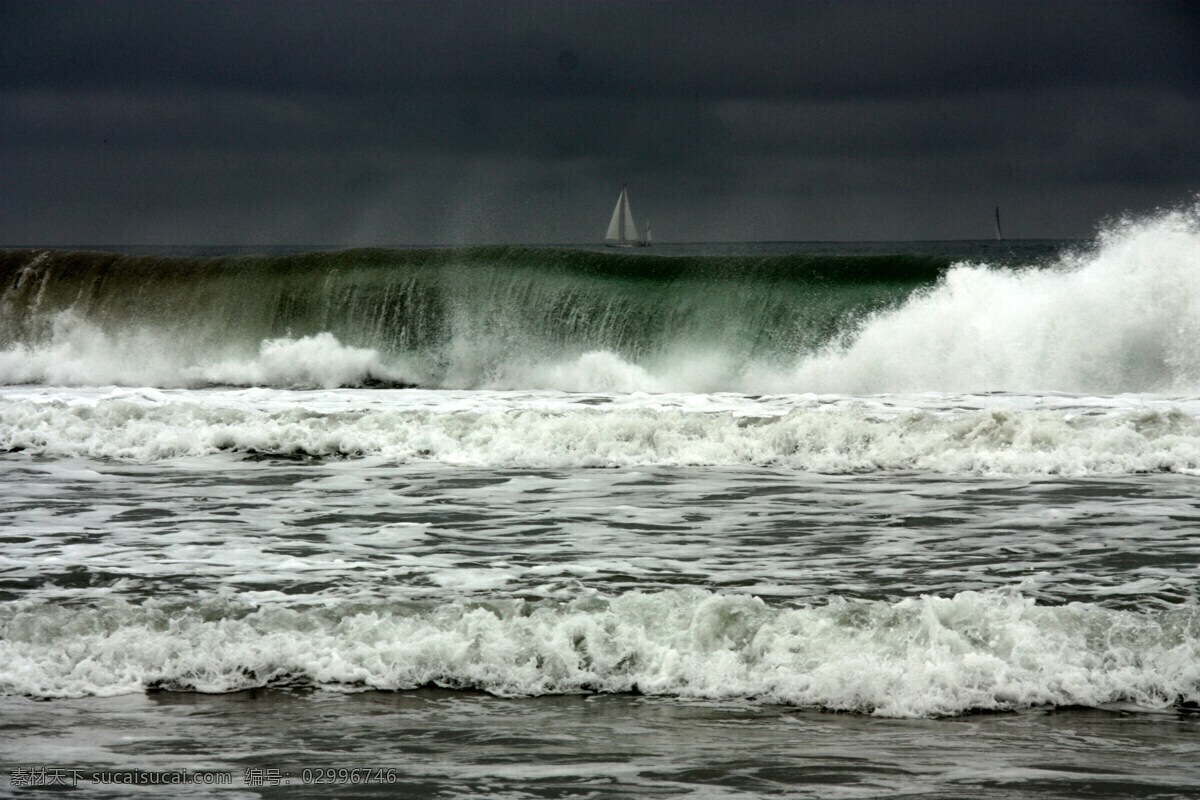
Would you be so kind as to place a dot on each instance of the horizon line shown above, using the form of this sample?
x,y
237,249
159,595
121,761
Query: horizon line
x,y
353,246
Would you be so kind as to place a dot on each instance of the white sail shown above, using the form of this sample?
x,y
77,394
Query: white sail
x,y
621,229
614,227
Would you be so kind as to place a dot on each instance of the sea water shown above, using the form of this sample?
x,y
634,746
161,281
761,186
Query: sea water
x,y
782,519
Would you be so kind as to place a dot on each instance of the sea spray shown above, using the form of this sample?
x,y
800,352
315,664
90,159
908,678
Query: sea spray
x,y
1121,316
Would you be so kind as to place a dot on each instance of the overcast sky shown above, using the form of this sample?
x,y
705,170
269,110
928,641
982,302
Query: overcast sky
x,y
442,122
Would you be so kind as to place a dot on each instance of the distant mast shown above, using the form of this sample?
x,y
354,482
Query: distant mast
x,y
621,230
999,235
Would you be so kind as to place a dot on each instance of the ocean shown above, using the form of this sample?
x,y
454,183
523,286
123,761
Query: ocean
x,y
908,519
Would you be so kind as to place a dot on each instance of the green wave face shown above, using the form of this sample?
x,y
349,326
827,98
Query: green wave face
x,y
460,317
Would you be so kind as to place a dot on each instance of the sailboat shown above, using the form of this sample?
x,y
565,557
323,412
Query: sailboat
x,y
621,230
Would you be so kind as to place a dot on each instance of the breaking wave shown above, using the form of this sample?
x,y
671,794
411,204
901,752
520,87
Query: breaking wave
x,y
461,318
1122,315
928,656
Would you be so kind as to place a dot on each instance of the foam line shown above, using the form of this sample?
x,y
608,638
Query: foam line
x,y
929,656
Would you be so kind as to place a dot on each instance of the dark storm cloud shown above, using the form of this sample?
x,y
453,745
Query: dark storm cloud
x,y
360,122
650,49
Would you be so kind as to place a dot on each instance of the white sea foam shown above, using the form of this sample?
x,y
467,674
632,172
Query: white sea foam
x,y
926,656
1124,316
79,353
498,430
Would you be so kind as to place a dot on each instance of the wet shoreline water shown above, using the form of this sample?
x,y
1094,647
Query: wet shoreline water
x,y
444,743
